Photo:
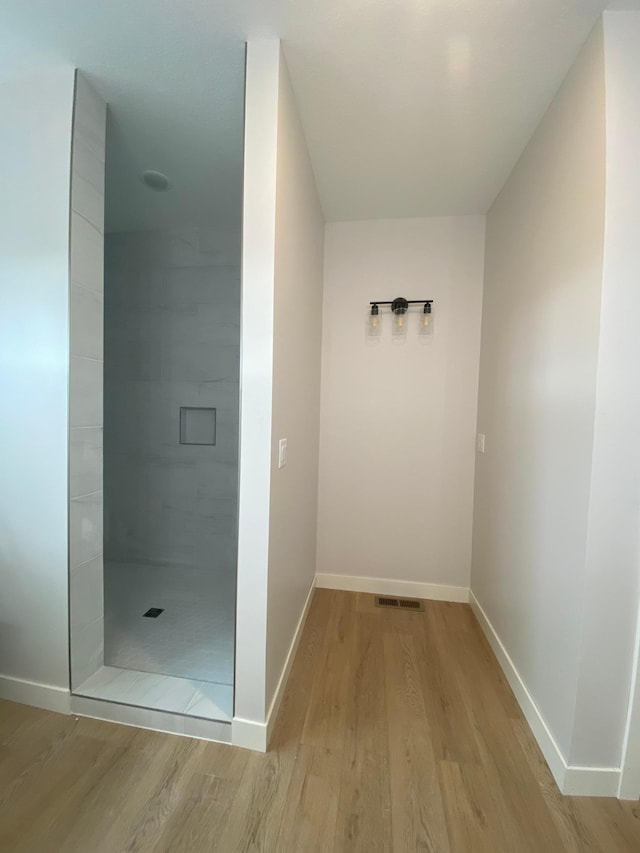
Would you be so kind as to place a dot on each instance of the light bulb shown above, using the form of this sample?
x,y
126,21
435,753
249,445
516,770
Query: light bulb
x,y
399,328
426,326
373,323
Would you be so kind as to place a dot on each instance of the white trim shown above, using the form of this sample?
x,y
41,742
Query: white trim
x,y
256,372
250,734
147,718
572,780
389,586
545,739
286,669
630,771
31,693
591,781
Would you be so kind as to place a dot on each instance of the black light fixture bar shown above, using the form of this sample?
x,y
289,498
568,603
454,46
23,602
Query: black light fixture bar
x,y
408,301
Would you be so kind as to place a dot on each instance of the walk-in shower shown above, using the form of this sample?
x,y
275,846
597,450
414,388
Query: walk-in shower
x,y
159,575
172,346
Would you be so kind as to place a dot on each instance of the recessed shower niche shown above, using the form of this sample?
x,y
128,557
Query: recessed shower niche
x,y
154,403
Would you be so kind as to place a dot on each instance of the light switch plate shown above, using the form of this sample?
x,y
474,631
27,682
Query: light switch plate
x,y
282,453
480,442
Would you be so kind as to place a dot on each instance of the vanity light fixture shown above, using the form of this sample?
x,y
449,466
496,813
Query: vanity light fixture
x,y
400,308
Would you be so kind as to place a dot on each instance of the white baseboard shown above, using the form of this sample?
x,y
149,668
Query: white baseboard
x,y
250,734
572,780
286,669
591,781
389,586
31,693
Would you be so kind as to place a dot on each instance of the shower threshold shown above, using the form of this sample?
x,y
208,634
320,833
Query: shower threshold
x,y
165,693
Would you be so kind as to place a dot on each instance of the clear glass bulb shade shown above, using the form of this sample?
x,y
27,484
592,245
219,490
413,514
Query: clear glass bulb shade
x,y
426,324
374,325
400,323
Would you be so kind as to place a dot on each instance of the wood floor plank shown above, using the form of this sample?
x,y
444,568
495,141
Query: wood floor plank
x,y
574,834
28,746
35,816
615,824
502,759
255,818
157,808
324,724
122,805
311,649
398,732
475,824
309,819
197,822
417,812
364,810
221,760
14,718
452,730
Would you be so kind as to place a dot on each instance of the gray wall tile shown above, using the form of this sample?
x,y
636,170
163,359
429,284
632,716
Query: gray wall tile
x,y
87,651
87,165
191,361
135,360
216,551
85,461
90,118
85,529
86,586
219,286
87,201
87,322
172,335
87,253
86,539
85,392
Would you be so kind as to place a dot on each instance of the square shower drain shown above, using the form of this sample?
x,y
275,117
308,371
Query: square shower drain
x,y
154,612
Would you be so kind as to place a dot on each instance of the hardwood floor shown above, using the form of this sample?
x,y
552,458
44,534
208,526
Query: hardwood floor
x,y
397,732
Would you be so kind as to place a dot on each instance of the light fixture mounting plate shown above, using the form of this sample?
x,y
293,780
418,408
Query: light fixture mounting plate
x,y
399,305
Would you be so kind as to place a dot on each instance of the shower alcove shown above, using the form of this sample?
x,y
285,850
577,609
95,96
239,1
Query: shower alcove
x,y
154,420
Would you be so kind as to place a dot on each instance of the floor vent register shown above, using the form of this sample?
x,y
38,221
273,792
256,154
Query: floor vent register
x,y
399,603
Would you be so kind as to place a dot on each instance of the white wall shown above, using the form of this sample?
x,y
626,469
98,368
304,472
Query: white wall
x,y
299,248
612,589
281,321
537,399
256,371
34,306
398,422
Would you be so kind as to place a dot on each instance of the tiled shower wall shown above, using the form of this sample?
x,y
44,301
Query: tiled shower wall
x,y
85,388
172,327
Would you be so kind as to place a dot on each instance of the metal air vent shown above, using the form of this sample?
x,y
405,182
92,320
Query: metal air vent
x,y
399,603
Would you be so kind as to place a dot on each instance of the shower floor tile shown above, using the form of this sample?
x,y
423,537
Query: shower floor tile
x,y
160,692
192,639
